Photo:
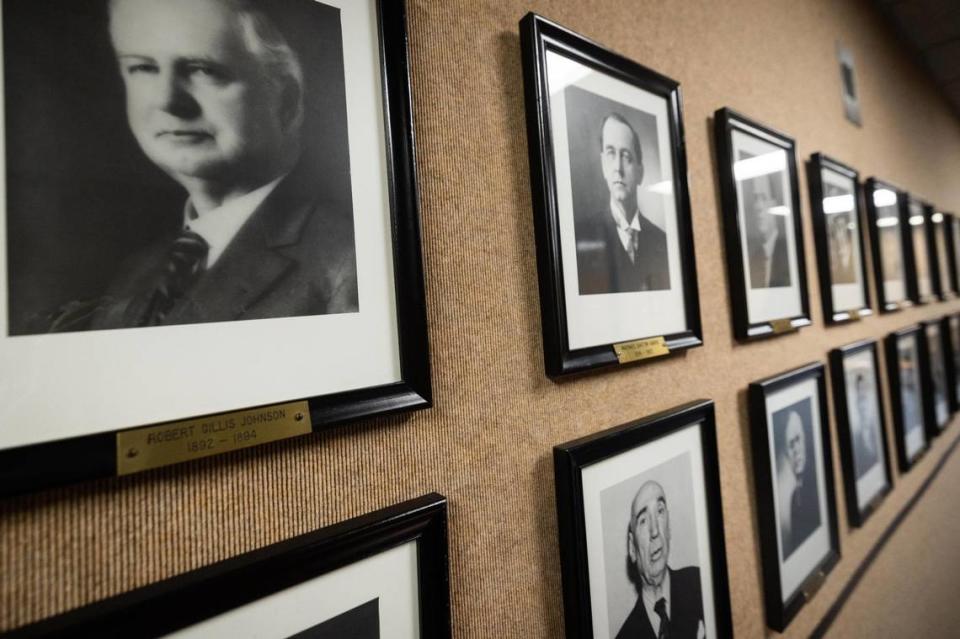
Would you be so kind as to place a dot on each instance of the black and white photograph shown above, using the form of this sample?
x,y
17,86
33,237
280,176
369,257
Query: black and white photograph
x,y
953,249
889,248
641,538
612,211
187,198
922,262
835,203
379,575
761,209
908,389
951,332
854,371
938,400
795,493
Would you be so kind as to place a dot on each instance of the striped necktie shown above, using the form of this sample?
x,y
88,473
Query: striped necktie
x,y
185,261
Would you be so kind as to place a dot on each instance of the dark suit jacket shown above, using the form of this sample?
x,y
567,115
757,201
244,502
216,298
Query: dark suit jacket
x,y
779,264
603,266
686,609
294,256
804,514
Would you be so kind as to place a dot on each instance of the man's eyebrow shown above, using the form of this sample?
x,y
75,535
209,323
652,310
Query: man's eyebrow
x,y
137,56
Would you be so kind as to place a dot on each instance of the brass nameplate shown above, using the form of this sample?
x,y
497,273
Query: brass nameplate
x,y
154,446
641,349
813,585
782,325
854,315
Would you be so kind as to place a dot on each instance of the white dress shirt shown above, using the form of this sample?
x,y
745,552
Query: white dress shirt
x,y
650,599
220,225
624,228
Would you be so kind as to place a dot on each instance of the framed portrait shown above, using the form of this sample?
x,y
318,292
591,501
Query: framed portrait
x,y
384,574
889,247
764,237
861,430
796,506
937,401
915,217
230,239
611,208
950,326
953,249
906,354
835,202
641,529
940,229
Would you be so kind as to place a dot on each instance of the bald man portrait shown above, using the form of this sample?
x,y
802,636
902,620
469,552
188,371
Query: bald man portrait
x,y
797,484
669,602
217,96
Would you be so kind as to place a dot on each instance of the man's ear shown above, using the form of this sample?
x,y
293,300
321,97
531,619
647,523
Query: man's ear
x,y
631,552
291,106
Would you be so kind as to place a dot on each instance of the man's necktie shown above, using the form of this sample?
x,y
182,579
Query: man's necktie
x,y
185,261
661,609
634,244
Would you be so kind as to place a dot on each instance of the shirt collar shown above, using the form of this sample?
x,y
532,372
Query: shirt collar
x,y
220,225
621,221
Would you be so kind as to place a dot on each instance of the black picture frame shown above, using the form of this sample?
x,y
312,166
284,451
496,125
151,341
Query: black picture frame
x,y
538,36
821,234
204,593
953,250
939,226
781,610
874,189
936,419
950,328
845,436
726,122
916,238
39,466
906,459
570,461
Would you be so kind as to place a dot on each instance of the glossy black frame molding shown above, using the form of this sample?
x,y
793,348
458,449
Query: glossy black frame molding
x,y
571,458
38,466
950,352
910,256
929,404
855,515
886,306
815,166
204,593
891,343
537,36
725,121
779,613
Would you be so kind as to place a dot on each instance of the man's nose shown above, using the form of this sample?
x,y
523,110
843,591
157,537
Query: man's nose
x,y
655,527
174,96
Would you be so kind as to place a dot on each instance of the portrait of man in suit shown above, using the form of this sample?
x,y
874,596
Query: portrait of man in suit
x,y
766,231
796,477
619,249
669,602
864,425
217,97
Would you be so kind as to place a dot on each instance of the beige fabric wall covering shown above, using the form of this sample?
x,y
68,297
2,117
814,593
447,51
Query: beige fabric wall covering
x,y
487,443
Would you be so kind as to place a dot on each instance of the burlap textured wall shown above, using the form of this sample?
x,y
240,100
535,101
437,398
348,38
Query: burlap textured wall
x,y
487,443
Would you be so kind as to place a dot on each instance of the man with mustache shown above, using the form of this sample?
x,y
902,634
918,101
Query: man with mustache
x,y
670,603
619,250
215,99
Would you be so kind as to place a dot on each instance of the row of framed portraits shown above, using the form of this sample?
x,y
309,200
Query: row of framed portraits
x,y
639,505
383,574
640,521
613,220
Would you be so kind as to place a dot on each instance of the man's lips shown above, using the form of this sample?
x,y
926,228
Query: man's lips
x,y
184,134
656,554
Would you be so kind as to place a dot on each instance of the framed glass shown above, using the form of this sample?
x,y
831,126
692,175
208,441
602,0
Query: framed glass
x,y
861,430
796,506
380,574
906,356
937,402
764,237
950,326
154,271
835,202
889,247
921,259
940,229
611,209
639,514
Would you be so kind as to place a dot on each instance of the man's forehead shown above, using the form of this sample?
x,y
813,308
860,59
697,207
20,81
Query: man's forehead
x,y
650,492
191,27
615,129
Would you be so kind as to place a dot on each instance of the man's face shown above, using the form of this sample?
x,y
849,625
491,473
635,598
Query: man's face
x,y
648,537
762,203
198,102
622,169
796,445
